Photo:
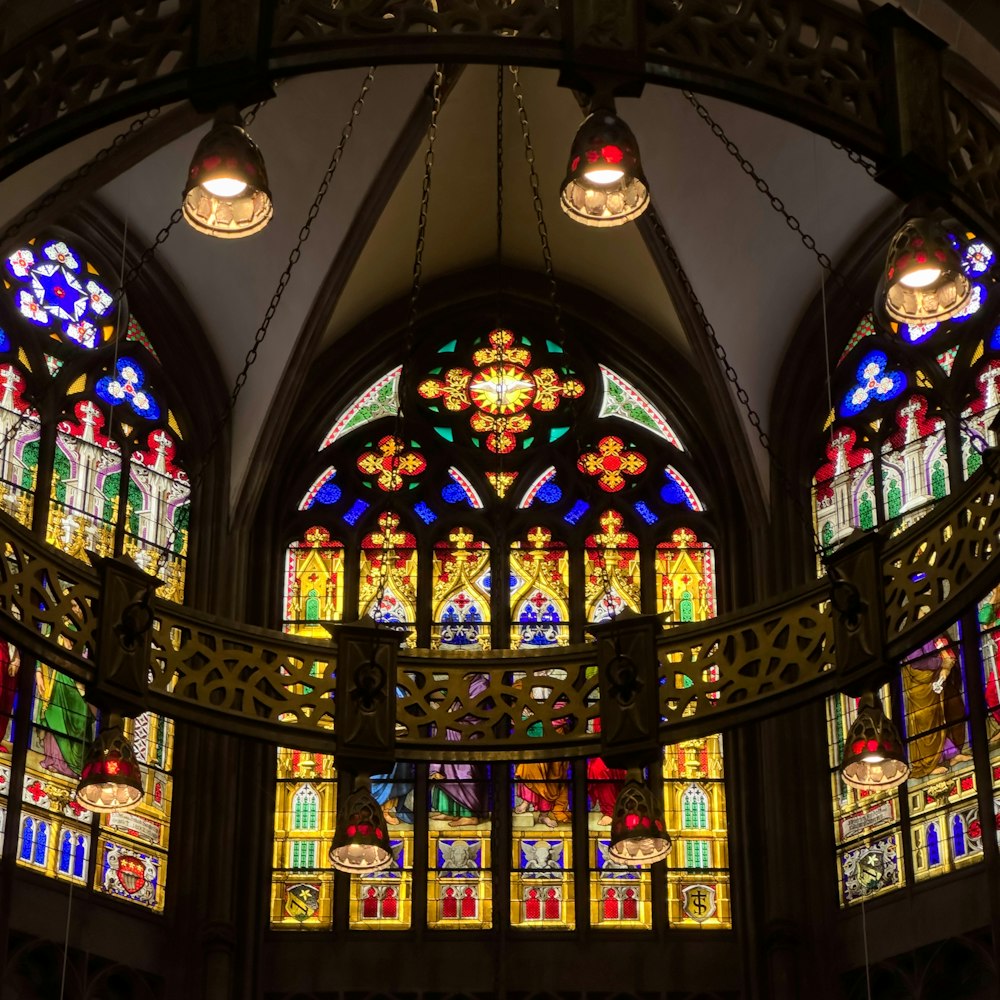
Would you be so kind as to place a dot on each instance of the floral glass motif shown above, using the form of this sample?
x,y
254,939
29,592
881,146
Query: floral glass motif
x,y
62,293
611,565
539,591
611,463
391,464
501,389
127,384
461,588
875,383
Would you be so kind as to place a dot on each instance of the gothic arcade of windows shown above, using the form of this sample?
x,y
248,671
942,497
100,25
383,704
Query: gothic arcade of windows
x,y
89,460
914,407
528,492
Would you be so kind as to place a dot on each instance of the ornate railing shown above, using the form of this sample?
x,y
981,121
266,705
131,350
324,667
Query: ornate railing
x,y
543,703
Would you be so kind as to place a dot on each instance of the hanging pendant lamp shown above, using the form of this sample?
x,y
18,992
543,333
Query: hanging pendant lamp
x,y
923,281
873,751
361,841
111,779
227,194
638,834
604,185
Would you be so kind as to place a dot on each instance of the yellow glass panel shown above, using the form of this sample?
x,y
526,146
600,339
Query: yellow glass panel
x,y
539,591
389,574
314,583
461,595
541,882
611,560
305,816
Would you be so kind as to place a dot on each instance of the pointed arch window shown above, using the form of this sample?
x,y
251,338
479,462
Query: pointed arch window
x,y
528,492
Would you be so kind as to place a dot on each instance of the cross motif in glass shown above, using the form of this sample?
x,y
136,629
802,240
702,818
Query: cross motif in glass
x,y
391,463
611,463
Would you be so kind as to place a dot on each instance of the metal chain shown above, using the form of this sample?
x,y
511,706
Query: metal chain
x,y
808,241
68,183
741,394
283,280
856,157
500,78
536,199
296,253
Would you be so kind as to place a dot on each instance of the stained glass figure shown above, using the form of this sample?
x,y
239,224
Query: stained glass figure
x,y
314,583
941,789
502,390
54,287
613,465
539,591
388,582
157,514
380,399
305,817
844,489
86,485
19,442
611,565
459,894
914,463
461,592
541,890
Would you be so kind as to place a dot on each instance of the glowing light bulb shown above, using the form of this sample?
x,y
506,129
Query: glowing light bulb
x,y
225,187
604,175
921,277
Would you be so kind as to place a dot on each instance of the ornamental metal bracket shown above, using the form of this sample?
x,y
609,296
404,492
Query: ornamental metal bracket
x,y
121,667
857,595
365,704
629,672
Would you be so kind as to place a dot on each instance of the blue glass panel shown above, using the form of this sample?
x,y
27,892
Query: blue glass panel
x,y
576,512
642,509
876,383
549,493
357,508
424,513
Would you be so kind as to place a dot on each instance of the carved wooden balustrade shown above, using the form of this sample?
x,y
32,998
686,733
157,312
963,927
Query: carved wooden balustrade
x,y
712,674
814,62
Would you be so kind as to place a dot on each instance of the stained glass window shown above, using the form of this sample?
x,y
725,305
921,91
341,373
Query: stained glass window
x,y
887,461
389,573
19,439
539,591
10,666
612,581
541,891
461,592
532,436
121,854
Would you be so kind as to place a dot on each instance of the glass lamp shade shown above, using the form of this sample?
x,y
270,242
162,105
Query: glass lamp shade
x,y
227,193
638,834
923,281
604,184
873,752
111,779
361,843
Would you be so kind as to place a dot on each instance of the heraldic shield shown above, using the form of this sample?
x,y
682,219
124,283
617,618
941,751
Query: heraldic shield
x,y
698,901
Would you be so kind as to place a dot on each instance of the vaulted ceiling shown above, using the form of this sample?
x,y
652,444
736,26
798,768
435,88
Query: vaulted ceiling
x,y
751,271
